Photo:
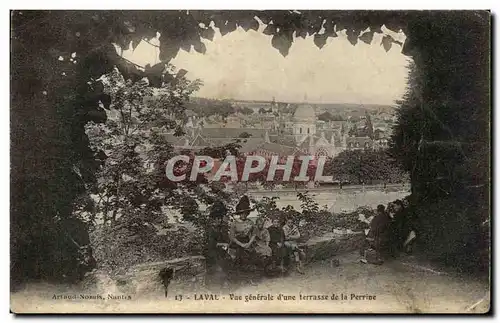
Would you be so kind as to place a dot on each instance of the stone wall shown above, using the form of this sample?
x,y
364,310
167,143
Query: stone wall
x,y
189,274
332,244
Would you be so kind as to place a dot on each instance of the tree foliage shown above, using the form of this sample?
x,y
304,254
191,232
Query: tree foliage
x,y
327,116
131,180
442,138
210,107
365,166
245,110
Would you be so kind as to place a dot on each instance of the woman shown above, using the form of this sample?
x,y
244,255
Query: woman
x,y
241,230
260,240
292,234
403,228
377,236
217,234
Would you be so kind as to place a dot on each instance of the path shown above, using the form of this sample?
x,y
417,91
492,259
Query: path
x,y
398,286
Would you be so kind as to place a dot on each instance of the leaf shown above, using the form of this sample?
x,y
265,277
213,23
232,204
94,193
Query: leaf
x,y
387,42
155,73
282,43
339,26
269,30
186,46
207,33
367,37
392,26
123,40
250,24
352,36
329,26
330,32
377,28
264,17
181,73
200,47
301,33
313,24
135,42
320,40
168,48
228,27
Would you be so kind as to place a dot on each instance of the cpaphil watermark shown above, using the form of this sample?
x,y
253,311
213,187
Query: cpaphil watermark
x,y
290,168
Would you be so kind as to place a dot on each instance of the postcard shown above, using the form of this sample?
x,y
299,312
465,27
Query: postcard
x,y
250,161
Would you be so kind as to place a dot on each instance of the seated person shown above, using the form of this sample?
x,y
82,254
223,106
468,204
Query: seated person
x,y
242,230
277,242
401,230
260,241
292,234
378,234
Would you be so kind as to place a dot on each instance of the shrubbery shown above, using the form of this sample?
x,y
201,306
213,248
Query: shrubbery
x,y
118,249
454,233
314,220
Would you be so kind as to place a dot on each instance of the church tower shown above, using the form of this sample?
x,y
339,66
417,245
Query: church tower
x,y
274,106
304,123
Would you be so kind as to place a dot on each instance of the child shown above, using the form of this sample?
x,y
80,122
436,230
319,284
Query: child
x,y
292,234
277,242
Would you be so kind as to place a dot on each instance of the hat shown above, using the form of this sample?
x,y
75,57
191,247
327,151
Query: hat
x,y
243,205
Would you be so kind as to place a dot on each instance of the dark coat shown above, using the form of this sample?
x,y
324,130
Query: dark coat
x,y
401,227
277,235
215,234
380,229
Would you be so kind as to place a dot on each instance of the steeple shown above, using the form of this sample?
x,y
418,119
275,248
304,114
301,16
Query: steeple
x,y
332,140
305,97
266,137
344,140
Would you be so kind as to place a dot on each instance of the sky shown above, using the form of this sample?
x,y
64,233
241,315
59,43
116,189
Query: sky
x,y
243,65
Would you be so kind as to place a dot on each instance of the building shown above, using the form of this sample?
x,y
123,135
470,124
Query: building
x,y
281,135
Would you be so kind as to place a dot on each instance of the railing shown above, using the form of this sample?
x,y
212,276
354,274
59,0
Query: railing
x,y
381,187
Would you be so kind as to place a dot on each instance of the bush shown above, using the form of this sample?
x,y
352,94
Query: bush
x,y
452,233
313,220
117,249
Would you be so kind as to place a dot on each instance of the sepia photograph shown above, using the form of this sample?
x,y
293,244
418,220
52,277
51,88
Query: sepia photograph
x,y
250,161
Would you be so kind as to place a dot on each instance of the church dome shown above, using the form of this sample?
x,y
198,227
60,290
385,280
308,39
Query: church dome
x,y
305,113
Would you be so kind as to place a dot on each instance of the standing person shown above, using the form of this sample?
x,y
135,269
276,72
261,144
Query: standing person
x,y
217,234
292,234
241,230
277,242
378,234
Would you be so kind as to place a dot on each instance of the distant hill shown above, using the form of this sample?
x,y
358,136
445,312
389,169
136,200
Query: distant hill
x,y
334,108
354,107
